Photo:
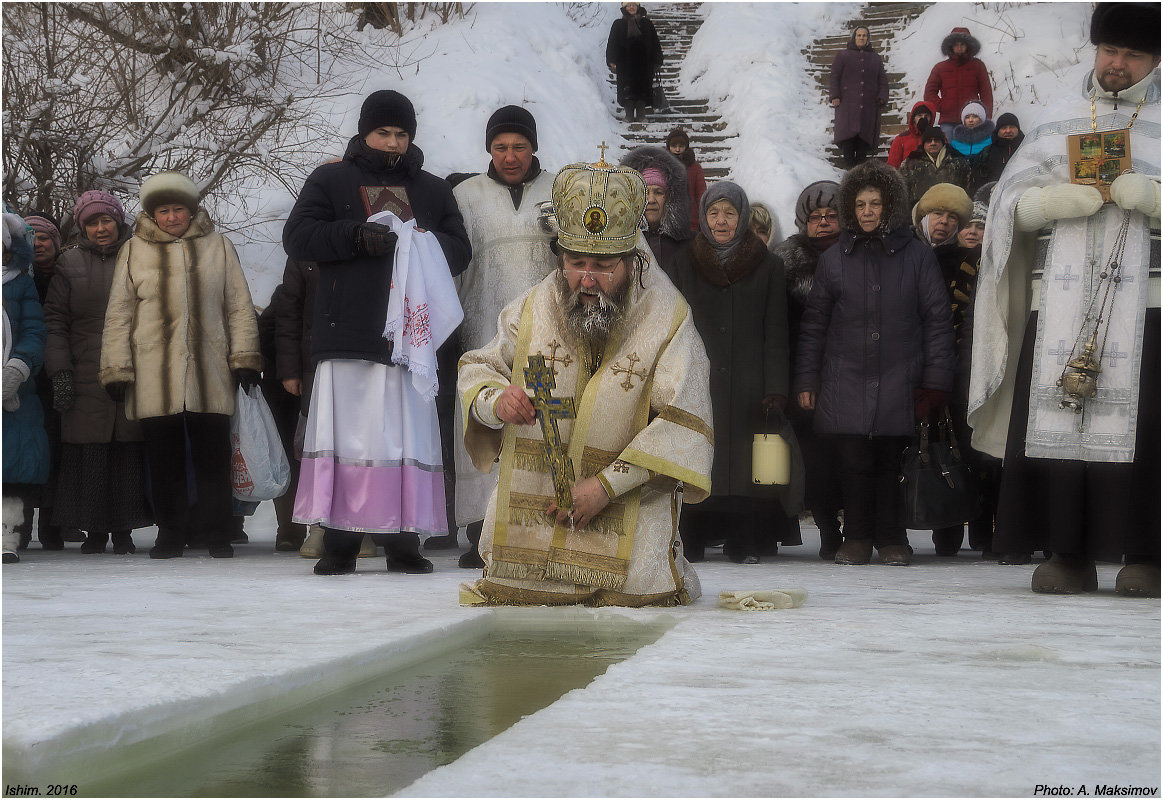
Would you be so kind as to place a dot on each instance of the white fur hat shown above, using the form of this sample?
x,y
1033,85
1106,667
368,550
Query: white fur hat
x,y
168,187
974,107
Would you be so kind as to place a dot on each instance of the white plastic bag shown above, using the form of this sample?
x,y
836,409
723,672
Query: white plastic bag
x,y
259,469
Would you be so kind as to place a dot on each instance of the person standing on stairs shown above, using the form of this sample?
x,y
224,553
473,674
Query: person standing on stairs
x,y
633,53
679,144
961,77
857,89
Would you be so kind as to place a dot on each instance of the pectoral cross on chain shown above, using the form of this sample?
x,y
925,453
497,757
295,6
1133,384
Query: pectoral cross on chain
x,y
539,378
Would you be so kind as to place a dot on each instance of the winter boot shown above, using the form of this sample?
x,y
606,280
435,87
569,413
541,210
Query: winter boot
x,y
312,546
404,554
237,534
13,512
123,543
854,551
367,547
445,542
895,555
472,559
1138,580
71,534
290,534
947,541
95,543
1065,574
169,544
830,538
340,550
1011,559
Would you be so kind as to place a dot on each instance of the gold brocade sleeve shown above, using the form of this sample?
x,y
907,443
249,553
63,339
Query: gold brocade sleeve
x,y
678,441
489,367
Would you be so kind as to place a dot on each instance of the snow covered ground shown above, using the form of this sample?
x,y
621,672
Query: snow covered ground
x,y
947,678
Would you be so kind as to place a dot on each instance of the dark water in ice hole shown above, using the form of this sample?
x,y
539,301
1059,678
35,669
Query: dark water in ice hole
x,y
376,738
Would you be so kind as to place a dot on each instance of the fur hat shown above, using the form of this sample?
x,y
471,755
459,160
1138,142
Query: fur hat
x,y
511,119
676,212
944,197
1133,25
387,107
972,46
41,224
821,194
167,187
95,202
893,191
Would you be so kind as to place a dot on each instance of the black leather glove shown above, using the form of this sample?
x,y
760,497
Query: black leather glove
x,y
62,390
247,378
374,239
116,391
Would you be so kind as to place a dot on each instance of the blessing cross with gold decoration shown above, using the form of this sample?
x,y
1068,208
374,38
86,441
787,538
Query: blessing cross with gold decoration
x,y
539,378
631,359
603,147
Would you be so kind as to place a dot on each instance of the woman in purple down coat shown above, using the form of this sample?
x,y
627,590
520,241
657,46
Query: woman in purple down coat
x,y
875,354
857,89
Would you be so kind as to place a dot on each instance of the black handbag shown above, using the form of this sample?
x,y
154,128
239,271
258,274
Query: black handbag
x,y
660,102
938,489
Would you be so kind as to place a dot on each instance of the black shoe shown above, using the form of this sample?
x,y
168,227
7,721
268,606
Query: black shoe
x,y
50,540
72,535
223,550
163,551
123,543
11,558
1012,559
95,543
445,542
335,565
471,560
409,564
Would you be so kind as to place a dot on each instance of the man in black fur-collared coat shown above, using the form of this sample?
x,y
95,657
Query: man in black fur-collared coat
x,y
668,209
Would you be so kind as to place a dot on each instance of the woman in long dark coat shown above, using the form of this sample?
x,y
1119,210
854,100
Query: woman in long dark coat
x,y
875,354
101,488
857,89
737,293
633,52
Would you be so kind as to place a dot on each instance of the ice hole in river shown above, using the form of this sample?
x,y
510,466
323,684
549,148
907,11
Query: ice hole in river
x,y
380,735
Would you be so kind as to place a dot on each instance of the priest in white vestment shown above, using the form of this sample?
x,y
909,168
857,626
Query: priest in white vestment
x,y
619,340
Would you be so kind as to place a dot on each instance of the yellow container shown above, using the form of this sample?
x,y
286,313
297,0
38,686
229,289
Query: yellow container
x,y
770,459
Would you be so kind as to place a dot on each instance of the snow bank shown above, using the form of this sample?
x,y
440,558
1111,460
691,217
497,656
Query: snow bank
x,y
1032,50
747,59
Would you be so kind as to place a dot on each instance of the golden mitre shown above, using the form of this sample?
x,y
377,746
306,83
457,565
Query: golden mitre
x,y
598,208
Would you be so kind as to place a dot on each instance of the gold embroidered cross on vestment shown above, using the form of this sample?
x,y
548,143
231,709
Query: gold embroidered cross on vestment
x,y
629,371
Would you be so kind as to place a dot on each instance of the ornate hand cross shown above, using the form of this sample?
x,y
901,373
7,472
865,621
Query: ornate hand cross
x,y
550,409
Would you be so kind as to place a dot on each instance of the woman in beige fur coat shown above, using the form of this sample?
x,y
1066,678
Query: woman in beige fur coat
x,y
180,335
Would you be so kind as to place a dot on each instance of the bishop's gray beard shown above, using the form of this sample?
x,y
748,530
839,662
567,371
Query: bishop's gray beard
x,y
592,323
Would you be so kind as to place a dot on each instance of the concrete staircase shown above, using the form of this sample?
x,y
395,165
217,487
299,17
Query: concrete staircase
x,y
884,21
710,137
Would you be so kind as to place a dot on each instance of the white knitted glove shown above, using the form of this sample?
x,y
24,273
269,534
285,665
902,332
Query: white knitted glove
x,y
762,600
1135,192
1040,206
15,373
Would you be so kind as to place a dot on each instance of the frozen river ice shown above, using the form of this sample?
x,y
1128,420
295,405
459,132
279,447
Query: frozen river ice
x,y
947,678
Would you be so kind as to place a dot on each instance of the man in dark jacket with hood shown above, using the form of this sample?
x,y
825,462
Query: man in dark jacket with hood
x,y
1007,138
932,163
667,201
818,224
381,171
903,144
961,77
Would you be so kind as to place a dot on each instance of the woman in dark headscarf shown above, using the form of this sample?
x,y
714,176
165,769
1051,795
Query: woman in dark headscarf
x,y
736,290
857,89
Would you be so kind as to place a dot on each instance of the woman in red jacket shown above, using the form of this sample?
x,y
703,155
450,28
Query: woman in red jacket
x,y
961,77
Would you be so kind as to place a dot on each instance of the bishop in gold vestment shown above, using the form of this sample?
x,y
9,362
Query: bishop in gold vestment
x,y
619,339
